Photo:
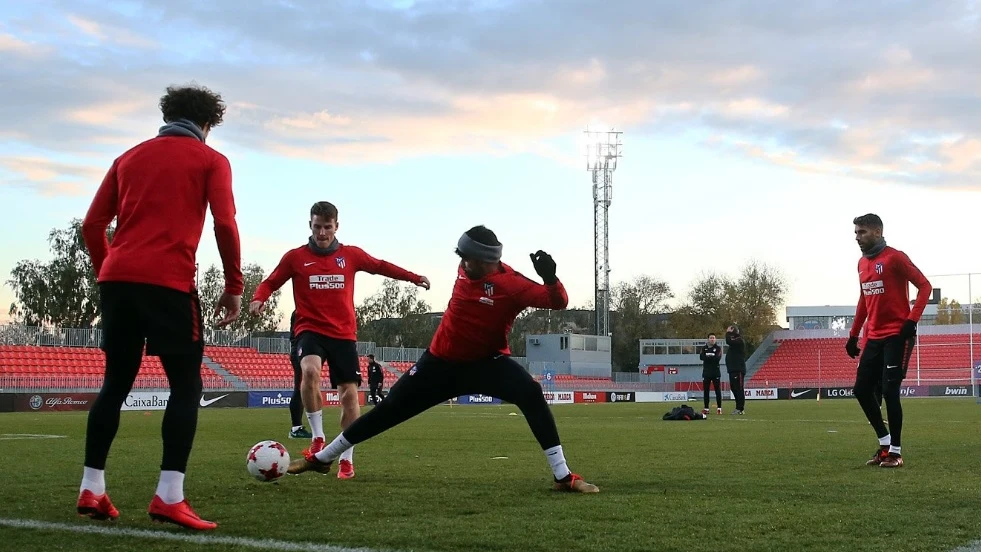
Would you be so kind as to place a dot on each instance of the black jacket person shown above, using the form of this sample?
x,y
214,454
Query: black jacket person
x,y
711,356
736,365
376,376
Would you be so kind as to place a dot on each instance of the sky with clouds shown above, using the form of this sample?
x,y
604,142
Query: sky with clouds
x,y
752,130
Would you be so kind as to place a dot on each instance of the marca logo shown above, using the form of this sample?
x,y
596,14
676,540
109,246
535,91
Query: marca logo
x,y
761,392
956,391
327,281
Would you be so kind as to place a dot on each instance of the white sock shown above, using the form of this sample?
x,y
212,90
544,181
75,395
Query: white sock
x,y
335,449
316,423
884,441
894,449
297,428
557,460
348,455
93,480
170,489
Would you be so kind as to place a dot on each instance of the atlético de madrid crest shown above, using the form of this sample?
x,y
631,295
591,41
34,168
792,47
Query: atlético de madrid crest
x,y
340,262
488,289
879,268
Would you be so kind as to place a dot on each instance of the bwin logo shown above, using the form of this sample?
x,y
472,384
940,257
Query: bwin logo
x,y
956,391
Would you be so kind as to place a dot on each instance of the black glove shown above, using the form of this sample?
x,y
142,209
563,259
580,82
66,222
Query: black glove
x,y
852,347
909,329
544,266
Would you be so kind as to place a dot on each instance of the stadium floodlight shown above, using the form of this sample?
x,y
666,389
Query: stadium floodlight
x,y
602,152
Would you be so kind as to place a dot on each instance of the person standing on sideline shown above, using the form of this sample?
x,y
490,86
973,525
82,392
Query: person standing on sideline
x,y
159,192
736,366
711,356
884,276
376,377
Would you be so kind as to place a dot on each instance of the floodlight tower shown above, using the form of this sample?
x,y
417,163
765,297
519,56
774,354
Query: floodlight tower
x,y
602,152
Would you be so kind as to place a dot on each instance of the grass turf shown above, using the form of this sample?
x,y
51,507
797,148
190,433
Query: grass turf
x,y
788,475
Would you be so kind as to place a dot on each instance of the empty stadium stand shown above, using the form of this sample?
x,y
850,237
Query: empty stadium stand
x,y
272,370
77,367
940,358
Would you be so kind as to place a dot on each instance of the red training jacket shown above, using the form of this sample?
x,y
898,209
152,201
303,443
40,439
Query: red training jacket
x,y
478,319
160,190
323,287
883,305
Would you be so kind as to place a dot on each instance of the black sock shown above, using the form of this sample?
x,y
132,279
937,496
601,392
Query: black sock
x,y
296,408
894,411
180,419
865,395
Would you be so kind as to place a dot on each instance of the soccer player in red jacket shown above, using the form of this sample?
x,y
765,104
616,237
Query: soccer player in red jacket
x,y
322,271
469,355
890,333
159,192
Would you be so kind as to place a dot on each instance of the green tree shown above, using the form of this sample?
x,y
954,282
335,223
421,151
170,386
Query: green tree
x,y
395,316
636,306
715,301
212,284
61,292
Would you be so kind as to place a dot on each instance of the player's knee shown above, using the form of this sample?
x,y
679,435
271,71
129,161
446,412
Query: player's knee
x,y
532,391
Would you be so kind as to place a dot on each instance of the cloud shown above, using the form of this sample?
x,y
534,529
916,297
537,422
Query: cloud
x,y
48,177
873,89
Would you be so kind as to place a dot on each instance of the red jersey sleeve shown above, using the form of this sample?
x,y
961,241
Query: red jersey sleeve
x,y
104,208
371,265
279,276
861,314
923,287
528,293
222,201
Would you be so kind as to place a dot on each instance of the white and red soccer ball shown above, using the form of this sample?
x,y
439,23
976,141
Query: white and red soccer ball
x,y
267,461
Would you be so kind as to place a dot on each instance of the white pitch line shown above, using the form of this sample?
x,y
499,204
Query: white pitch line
x,y
202,539
24,436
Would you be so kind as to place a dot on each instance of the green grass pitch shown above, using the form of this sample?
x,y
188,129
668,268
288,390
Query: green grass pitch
x,y
789,475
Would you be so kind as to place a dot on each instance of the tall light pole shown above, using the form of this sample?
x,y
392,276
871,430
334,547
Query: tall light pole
x,y
602,152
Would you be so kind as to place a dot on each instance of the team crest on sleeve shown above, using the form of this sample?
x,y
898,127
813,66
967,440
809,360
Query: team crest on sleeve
x,y
879,268
414,369
341,263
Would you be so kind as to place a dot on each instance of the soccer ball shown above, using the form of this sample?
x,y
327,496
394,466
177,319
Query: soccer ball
x,y
267,461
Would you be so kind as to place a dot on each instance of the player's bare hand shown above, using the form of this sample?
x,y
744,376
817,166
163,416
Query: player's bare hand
x,y
256,307
232,307
423,282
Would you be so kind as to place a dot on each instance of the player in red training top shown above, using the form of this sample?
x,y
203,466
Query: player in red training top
x,y
890,333
159,192
323,272
469,355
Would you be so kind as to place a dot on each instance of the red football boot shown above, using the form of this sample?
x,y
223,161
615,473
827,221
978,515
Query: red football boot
x,y
96,506
179,514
